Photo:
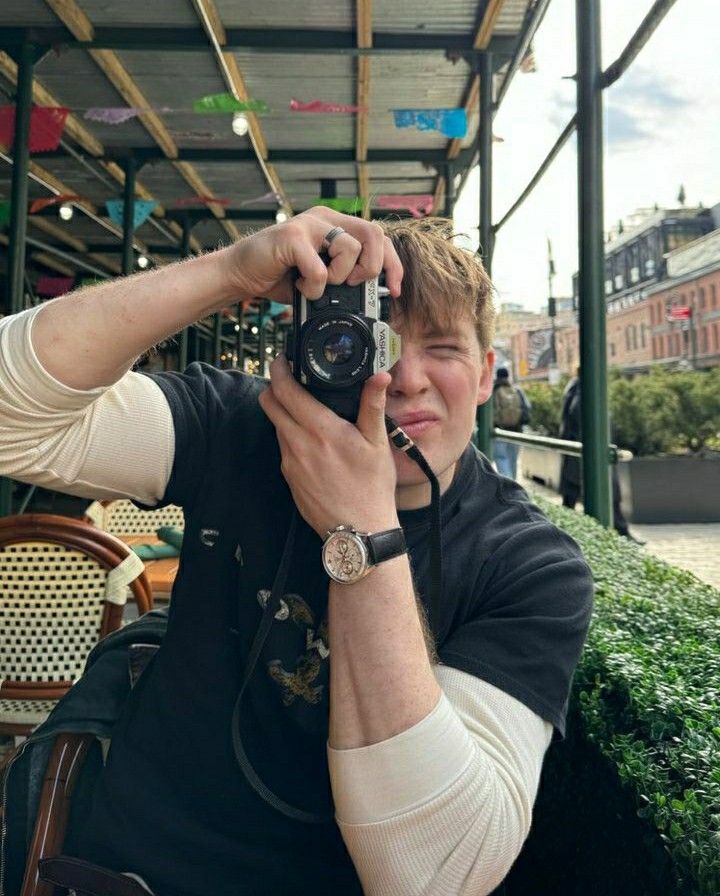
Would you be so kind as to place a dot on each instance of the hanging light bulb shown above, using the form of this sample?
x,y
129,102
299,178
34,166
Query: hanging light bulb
x,y
143,261
237,328
254,331
66,211
240,124
280,216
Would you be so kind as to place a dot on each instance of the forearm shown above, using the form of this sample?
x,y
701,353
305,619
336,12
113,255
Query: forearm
x,y
381,678
92,337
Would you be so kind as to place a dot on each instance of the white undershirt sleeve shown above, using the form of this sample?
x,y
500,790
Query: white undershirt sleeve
x,y
443,808
110,442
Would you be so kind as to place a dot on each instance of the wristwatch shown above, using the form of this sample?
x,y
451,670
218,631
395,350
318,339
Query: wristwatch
x,y
348,555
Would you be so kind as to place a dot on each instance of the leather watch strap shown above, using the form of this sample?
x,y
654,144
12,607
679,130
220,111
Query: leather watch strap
x,y
385,545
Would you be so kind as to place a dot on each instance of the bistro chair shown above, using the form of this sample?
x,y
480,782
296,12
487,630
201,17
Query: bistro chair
x,y
63,587
122,518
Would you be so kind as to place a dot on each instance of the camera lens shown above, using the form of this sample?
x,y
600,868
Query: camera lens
x,y
338,348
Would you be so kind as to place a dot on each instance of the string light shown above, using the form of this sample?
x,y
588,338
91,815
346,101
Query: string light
x,y
143,261
240,124
254,331
66,211
280,216
237,328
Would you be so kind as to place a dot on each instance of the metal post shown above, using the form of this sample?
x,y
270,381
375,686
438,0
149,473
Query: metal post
x,y
128,259
19,188
217,338
240,337
185,332
449,190
262,310
593,358
18,210
484,416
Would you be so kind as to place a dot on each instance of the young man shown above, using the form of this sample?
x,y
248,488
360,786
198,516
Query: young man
x,y
375,749
511,410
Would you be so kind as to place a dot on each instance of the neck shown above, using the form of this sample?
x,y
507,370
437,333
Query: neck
x,y
417,495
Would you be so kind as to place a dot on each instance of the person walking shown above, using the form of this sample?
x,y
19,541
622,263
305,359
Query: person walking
x,y
511,410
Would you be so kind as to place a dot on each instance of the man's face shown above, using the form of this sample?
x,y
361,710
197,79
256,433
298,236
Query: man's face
x,y
436,387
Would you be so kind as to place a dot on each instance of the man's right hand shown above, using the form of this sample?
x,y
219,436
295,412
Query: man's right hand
x,y
259,265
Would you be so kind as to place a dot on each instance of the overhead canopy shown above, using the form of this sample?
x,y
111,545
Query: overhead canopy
x,y
161,56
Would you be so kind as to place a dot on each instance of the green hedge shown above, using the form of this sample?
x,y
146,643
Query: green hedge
x,y
647,698
657,413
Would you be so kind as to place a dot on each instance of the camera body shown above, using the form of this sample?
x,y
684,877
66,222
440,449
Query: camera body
x,y
340,340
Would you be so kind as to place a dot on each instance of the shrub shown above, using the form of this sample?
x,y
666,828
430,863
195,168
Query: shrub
x,y
546,401
647,696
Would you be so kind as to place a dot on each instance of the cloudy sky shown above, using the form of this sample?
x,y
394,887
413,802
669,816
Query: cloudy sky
x,y
662,122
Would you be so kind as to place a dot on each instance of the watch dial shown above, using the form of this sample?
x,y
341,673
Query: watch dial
x,y
345,557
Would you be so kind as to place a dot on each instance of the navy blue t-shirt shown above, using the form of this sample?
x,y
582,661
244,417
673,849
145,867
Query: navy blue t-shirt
x,y
172,804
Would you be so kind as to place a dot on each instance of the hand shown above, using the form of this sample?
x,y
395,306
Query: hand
x,y
259,265
337,472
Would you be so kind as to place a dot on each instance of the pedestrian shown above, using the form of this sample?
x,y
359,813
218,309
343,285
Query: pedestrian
x,y
511,410
390,736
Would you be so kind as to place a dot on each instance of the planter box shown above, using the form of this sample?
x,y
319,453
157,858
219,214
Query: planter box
x,y
540,465
671,489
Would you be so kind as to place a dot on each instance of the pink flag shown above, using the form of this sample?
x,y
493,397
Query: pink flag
x,y
54,286
418,205
320,106
201,200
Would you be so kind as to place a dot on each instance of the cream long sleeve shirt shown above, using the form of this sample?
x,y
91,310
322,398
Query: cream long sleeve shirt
x,y
440,809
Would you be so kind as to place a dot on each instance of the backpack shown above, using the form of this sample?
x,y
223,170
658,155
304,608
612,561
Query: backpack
x,y
507,407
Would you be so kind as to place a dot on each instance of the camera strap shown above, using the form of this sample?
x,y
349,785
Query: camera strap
x,y
404,443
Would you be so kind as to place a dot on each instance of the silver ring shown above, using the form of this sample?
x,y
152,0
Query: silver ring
x,y
330,236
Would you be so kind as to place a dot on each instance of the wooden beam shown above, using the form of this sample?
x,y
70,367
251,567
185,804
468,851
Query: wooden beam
x,y
363,188
487,26
363,14
51,262
112,264
57,232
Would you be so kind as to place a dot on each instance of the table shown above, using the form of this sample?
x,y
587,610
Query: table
x,y
160,573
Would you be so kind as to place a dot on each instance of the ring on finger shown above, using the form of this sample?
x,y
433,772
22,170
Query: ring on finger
x,y
330,236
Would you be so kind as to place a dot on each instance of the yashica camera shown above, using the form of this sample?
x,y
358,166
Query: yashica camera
x,y
340,340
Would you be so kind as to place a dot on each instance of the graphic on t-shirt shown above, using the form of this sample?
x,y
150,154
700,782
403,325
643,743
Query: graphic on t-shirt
x,y
298,683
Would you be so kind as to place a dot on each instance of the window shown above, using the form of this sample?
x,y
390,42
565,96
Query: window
x,y
643,327
701,297
649,267
611,346
715,334
713,297
703,340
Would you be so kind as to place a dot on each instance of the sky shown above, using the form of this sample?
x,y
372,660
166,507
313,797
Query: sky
x,y
662,129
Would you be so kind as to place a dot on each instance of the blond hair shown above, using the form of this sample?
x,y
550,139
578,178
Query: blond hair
x,y
442,283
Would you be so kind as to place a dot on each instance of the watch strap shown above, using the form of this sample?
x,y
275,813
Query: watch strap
x,y
385,545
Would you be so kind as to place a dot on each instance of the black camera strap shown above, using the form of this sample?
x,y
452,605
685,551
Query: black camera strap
x,y
404,443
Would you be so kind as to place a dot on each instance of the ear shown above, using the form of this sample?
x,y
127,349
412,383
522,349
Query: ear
x,y
485,382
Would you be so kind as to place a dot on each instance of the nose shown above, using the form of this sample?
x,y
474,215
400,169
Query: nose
x,y
408,375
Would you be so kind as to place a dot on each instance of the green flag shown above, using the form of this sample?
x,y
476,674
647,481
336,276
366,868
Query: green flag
x,y
226,102
348,205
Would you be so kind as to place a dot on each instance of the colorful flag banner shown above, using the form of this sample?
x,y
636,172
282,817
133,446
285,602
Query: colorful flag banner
x,y
349,206
142,211
265,199
226,102
50,287
418,205
450,122
37,205
4,212
321,106
46,126
112,114
202,200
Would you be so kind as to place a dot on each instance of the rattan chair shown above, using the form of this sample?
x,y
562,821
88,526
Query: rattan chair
x,y
121,517
63,587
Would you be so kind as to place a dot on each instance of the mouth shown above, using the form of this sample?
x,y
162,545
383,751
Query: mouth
x,y
416,423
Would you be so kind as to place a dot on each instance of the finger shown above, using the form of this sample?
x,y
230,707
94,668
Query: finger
x,y
393,268
274,410
370,262
307,412
313,273
371,418
344,252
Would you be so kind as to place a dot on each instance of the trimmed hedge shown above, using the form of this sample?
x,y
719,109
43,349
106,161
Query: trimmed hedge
x,y
646,701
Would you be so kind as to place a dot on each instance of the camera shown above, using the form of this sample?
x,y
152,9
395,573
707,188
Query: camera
x,y
340,340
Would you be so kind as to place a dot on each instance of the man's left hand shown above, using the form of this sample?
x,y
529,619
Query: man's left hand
x,y
339,473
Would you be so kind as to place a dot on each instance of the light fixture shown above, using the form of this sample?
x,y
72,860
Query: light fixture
x,y
269,350
280,216
254,331
143,261
240,124
66,211
237,328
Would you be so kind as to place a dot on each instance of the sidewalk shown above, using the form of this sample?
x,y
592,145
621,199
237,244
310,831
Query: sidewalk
x,y
691,546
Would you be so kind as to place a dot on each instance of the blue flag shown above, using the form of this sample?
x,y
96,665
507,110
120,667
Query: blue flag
x,y
450,122
142,211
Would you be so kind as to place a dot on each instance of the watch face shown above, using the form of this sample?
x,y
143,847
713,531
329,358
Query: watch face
x,y
345,557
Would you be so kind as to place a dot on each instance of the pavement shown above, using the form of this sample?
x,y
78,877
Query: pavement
x,y
691,546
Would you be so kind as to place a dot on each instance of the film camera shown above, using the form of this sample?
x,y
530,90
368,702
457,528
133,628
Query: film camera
x,y
340,340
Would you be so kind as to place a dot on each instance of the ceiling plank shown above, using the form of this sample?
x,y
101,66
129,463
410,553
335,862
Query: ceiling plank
x,y
363,14
59,233
82,28
51,262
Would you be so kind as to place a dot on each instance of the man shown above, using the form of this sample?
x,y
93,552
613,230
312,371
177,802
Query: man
x,y
375,749
511,410
571,469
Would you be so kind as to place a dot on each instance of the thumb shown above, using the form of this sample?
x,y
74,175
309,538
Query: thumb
x,y
371,417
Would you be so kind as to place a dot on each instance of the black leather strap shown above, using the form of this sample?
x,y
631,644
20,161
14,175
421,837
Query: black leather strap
x,y
385,545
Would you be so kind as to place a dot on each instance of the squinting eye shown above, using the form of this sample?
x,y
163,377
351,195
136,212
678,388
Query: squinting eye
x,y
450,348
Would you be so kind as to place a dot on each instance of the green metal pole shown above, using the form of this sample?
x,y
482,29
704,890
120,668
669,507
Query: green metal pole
x,y
128,259
593,353
484,416
217,338
19,187
18,210
184,253
240,338
262,341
